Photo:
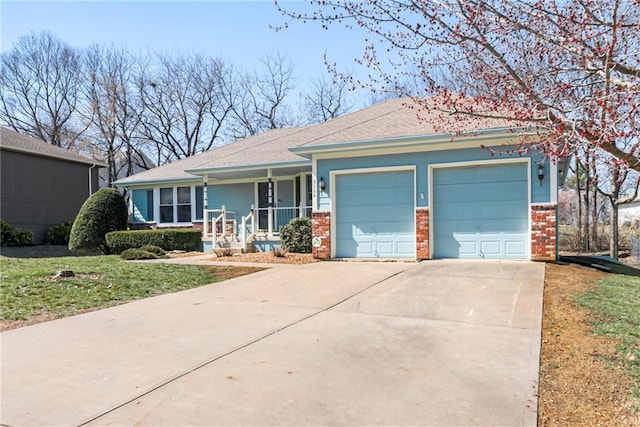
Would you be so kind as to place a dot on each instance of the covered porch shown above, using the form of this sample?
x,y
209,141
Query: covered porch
x,y
245,209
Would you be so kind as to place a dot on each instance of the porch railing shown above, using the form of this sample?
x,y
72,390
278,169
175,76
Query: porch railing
x,y
222,223
270,220
219,223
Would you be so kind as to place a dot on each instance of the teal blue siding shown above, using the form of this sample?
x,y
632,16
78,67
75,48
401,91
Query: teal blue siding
x,y
422,160
142,211
481,211
375,215
235,197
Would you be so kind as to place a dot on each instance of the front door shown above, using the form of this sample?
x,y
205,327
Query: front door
x,y
263,205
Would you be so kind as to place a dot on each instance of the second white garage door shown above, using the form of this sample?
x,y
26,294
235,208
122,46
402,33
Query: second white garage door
x,y
375,215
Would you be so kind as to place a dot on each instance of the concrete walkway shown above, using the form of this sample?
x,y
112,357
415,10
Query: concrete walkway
x,y
334,343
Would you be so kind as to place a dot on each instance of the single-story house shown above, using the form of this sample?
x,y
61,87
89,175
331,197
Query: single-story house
x,y
377,183
42,185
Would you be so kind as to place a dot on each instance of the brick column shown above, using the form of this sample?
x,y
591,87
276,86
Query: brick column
x,y
321,227
543,232
422,233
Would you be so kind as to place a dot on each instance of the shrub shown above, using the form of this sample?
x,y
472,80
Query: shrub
x,y
154,250
101,213
296,236
222,252
10,236
279,252
59,234
179,239
137,253
6,233
22,237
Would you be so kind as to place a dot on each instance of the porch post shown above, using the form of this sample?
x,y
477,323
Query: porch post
x,y
303,196
270,204
205,206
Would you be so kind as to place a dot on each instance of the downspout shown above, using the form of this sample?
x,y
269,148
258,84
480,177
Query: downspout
x,y
91,180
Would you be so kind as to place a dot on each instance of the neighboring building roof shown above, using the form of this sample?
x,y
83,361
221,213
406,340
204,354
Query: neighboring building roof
x,y
14,141
386,122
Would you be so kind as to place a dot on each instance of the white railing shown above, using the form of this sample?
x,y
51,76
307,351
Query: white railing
x,y
250,217
271,219
221,223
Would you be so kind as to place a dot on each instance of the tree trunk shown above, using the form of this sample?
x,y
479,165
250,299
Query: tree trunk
x,y
594,223
587,211
613,243
579,191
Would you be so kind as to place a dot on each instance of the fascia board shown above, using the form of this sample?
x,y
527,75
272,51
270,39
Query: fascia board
x,y
410,141
248,167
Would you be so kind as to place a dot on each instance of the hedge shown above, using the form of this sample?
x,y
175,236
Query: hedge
x,y
180,239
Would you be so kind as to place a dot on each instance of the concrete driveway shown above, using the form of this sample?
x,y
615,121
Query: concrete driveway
x,y
333,343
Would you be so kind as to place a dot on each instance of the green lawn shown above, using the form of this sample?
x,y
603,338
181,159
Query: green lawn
x,y
615,310
27,290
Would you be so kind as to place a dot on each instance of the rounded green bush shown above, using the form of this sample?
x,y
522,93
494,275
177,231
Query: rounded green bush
x,y
14,236
6,233
296,236
153,249
101,213
137,253
59,234
22,236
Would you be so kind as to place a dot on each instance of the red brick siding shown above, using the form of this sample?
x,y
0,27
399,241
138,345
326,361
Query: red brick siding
x,y
321,227
422,233
543,232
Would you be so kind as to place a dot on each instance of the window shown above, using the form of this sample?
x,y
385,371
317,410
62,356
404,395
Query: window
x,y
175,204
184,204
166,205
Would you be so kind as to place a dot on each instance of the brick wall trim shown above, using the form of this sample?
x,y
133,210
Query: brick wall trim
x,y
422,233
321,228
543,231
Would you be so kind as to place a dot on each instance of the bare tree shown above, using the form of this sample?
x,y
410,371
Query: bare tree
x,y
40,90
115,108
326,99
570,66
262,97
187,100
621,188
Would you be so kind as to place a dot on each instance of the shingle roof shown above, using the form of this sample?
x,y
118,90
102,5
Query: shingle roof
x,y
14,141
392,119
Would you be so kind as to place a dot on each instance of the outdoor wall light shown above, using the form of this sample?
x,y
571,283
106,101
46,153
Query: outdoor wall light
x,y
323,185
541,172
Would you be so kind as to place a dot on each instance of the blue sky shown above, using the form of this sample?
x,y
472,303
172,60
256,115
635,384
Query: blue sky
x,y
238,30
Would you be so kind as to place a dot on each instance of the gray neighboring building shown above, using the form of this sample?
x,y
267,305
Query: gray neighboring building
x,y
42,185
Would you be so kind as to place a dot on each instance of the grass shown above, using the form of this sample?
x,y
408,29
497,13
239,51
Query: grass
x,y
27,289
615,310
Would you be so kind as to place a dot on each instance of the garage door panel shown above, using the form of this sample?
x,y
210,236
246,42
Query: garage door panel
x,y
375,214
481,211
